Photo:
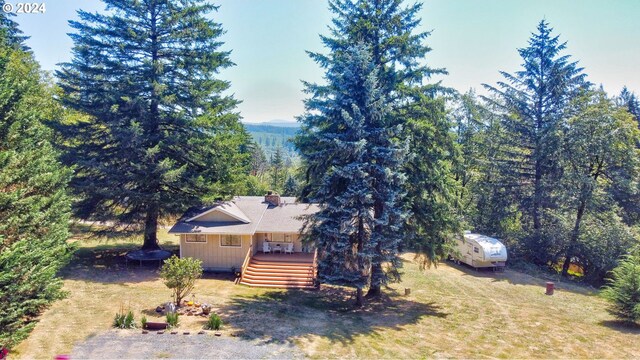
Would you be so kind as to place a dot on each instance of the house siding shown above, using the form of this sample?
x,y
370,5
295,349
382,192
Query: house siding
x,y
215,257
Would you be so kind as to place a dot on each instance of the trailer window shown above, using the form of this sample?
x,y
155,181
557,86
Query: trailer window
x,y
476,250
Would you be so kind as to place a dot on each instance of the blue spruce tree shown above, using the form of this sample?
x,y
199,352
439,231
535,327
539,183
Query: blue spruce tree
x,y
360,219
390,31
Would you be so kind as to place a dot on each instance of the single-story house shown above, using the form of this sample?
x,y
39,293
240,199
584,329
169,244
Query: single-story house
x,y
257,236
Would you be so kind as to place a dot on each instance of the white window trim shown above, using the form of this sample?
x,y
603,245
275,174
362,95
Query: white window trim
x,y
206,239
230,246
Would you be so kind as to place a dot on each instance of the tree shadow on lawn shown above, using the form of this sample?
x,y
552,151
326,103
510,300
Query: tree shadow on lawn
x,y
516,277
278,316
107,264
622,326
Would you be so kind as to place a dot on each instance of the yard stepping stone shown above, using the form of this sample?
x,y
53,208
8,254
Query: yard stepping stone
x,y
161,332
201,332
218,333
174,332
186,333
145,332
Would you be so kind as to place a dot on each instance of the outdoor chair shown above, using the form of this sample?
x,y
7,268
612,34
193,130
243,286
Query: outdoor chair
x,y
266,248
288,248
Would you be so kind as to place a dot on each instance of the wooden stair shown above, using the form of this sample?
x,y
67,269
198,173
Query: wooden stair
x,y
270,273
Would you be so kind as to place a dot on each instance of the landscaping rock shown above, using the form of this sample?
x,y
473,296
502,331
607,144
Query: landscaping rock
x,y
218,333
145,331
201,332
186,333
161,332
174,332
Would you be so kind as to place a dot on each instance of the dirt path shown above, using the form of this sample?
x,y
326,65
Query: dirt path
x,y
133,345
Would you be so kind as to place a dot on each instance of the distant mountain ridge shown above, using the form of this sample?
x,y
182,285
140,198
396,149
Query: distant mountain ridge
x,y
277,122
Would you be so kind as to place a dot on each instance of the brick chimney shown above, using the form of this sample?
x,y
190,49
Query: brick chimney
x,y
272,198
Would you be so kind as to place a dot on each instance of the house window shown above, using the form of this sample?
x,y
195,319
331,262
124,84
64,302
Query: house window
x,y
195,238
231,240
476,250
287,238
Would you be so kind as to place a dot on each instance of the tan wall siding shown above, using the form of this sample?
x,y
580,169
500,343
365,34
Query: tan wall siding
x,y
214,256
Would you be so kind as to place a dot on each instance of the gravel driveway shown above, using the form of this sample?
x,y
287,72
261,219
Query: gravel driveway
x,y
129,345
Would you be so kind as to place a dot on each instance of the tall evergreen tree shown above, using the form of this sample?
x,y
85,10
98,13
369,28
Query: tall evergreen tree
x,y
630,101
277,170
34,206
360,218
534,103
290,187
10,32
161,136
389,30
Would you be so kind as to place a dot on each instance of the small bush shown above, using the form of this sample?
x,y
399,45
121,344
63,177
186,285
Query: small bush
x,y
118,321
214,322
623,291
172,319
180,275
143,322
124,321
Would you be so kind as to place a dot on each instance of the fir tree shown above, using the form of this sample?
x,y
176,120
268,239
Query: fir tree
x,y
161,136
630,101
290,187
277,170
535,103
10,32
389,30
360,218
34,206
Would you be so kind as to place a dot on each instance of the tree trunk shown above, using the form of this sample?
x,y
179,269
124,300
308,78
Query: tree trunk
x,y
574,237
359,297
151,229
375,290
537,194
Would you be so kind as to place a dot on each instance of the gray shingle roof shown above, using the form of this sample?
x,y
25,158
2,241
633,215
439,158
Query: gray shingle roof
x,y
263,217
285,218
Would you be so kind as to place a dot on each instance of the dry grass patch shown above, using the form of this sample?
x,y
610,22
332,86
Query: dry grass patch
x,y
452,312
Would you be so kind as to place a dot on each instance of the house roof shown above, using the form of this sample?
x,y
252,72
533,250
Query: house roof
x,y
227,208
286,218
252,213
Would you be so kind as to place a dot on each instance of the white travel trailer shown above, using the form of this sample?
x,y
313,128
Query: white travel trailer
x,y
480,251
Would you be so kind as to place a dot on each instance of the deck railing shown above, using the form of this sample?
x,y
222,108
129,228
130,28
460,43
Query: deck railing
x,y
315,267
247,258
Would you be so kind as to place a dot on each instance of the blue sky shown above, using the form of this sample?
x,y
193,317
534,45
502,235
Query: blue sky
x,y
472,39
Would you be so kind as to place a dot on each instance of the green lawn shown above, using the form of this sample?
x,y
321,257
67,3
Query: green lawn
x,y
452,312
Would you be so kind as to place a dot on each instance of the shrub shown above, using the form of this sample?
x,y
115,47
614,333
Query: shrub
x,y
143,322
180,275
623,291
214,322
124,321
172,319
